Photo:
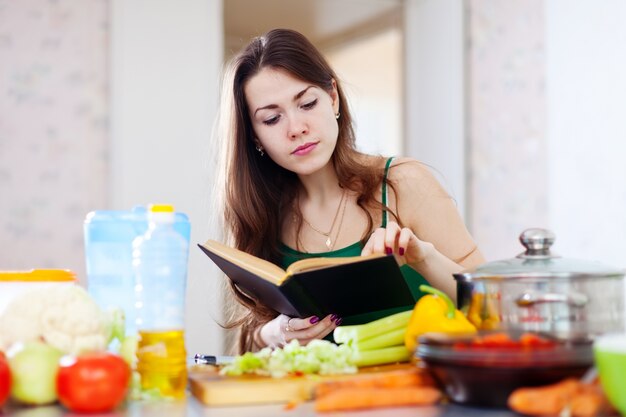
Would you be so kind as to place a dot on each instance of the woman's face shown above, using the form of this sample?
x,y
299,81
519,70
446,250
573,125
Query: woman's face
x,y
293,120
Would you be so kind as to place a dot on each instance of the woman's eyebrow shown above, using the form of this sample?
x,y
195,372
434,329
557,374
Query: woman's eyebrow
x,y
274,106
301,93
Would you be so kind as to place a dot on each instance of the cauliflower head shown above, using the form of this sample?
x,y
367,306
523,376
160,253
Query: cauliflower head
x,y
63,316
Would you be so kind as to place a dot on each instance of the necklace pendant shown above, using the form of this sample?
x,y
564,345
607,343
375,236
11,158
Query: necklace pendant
x,y
328,243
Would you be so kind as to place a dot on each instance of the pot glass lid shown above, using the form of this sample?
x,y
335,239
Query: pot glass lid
x,y
538,261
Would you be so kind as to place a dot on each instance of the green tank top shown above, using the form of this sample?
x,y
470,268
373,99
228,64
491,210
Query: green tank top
x,y
411,276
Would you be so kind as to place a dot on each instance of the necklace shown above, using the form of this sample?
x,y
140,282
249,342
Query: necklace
x,y
340,223
329,242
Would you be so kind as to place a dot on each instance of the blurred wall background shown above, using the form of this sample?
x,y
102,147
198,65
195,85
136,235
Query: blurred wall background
x,y
517,105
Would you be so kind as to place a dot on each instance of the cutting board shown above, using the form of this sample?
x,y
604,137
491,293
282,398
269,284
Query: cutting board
x,y
211,388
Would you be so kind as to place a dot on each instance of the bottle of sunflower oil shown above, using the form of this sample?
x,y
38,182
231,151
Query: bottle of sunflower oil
x,y
160,269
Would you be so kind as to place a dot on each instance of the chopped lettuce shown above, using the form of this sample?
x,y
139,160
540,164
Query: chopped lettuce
x,y
318,357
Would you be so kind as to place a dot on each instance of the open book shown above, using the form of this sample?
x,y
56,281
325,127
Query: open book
x,y
316,286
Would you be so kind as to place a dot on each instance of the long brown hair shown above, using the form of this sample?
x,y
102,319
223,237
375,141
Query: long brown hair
x,y
258,191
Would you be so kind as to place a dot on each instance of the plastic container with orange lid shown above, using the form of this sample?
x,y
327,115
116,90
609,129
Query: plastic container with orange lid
x,y
13,283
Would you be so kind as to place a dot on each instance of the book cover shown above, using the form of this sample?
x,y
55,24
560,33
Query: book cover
x,y
342,286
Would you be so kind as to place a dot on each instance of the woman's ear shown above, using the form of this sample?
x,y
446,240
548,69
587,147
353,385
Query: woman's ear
x,y
334,95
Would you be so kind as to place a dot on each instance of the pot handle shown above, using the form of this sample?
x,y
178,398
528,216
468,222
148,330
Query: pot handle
x,y
574,299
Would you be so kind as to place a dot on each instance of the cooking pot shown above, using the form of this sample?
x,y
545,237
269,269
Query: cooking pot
x,y
543,292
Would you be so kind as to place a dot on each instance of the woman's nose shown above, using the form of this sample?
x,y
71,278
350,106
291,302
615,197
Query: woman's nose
x,y
297,128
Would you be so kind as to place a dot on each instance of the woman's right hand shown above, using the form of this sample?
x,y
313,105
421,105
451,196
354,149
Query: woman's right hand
x,y
283,329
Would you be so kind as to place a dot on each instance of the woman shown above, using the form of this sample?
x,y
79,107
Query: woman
x,y
295,186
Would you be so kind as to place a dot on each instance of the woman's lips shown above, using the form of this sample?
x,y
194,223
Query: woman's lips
x,y
305,149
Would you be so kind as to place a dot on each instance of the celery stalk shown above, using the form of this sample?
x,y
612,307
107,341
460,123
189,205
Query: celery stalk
x,y
359,332
382,356
392,338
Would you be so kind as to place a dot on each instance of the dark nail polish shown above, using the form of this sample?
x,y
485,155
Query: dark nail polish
x,y
401,251
388,251
314,319
333,317
338,321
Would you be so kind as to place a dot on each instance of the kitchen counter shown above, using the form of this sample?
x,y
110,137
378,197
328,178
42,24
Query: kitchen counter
x,y
193,408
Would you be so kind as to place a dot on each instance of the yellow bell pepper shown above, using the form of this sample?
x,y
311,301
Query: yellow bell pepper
x,y
435,312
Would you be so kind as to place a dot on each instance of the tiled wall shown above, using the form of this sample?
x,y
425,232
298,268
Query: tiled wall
x,y
53,128
506,122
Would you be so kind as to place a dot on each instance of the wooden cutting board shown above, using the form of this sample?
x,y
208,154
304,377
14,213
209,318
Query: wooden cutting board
x,y
211,388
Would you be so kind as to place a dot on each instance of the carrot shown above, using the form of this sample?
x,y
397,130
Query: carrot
x,y
396,378
359,398
291,405
590,402
544,401
581,400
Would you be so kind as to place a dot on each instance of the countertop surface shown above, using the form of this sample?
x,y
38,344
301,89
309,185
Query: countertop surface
x,y
192,408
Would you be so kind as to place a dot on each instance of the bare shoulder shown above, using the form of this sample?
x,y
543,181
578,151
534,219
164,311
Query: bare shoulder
x,y
404,167
414,177
373,161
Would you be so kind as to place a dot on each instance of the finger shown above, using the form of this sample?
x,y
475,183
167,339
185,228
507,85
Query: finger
x,y
301,324
392,233
378,246
321,335
404,240
283,321
319,330
305,329
284,330
314,330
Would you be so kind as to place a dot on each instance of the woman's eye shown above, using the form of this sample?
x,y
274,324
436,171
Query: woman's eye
x,y
309,105
271,121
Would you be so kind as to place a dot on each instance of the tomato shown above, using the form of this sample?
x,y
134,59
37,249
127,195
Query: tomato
x,y
5,379
92,382
503,341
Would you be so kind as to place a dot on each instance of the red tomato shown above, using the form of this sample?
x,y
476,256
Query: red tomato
x,y
5,379
92,382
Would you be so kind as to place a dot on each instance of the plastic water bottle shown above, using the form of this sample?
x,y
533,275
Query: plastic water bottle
x,y
160,268
109,236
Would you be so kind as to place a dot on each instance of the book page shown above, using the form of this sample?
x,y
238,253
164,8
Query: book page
x,y
310,264
255,265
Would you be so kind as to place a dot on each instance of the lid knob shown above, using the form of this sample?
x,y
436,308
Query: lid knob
x,y
537,243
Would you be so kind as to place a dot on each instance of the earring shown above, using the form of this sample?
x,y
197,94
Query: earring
x,y
337,115
260,149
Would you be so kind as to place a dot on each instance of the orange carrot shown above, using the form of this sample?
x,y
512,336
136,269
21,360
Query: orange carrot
x,y
581,400
291,405
412,377
590,402
544,401
360,397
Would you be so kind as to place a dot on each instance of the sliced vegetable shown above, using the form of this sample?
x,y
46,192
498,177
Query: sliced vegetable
x,y
382,356
359,332
318,357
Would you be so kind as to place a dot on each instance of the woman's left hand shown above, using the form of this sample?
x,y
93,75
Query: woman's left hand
x,y
401,241
283,329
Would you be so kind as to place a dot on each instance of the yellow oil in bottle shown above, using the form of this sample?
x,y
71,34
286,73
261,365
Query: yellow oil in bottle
x,y
162,362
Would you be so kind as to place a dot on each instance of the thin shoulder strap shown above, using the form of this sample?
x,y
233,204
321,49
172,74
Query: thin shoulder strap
x,y
385,212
